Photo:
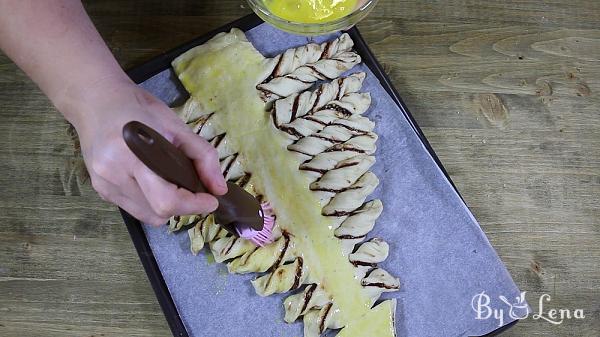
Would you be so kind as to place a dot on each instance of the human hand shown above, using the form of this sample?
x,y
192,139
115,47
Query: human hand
x,y
58,46
118,175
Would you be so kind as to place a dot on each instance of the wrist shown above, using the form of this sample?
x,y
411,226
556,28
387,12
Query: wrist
x,y
80,101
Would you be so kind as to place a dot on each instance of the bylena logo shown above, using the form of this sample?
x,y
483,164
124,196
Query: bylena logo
x,y
520,310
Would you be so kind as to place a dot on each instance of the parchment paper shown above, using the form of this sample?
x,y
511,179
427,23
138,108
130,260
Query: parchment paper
x,y
437,249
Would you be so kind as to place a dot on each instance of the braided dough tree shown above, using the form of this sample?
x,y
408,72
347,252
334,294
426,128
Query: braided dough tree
x,y
290,131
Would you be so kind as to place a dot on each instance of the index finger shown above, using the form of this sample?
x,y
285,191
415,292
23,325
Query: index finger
x,y
167,199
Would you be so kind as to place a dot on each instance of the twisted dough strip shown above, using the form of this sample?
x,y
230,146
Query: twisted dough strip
x,y
354,228
204,127
344,174
287,109
230,247
377,281
264,258
305,76
199,120
232,167
312,146
316,321
333,172
368,255
346,202
313,296
284,278
327,116
205,231
190,110
177,222
221,144
361,144
360,222
336,131
294,58
328,124
326,183
325,161
340,178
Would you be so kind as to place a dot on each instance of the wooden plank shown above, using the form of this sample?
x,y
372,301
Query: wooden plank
x,y
554,13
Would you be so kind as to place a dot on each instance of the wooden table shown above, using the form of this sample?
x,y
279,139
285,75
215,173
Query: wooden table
x,y
507,92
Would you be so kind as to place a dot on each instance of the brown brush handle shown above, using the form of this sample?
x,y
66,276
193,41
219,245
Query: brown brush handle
x,y
235,207
161,156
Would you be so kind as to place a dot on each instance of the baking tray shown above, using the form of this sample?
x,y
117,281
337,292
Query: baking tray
x,y
162,62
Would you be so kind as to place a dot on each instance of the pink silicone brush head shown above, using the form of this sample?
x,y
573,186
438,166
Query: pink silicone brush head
x,y
265,235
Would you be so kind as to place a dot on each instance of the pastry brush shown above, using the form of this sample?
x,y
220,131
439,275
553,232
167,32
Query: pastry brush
x,y
239,212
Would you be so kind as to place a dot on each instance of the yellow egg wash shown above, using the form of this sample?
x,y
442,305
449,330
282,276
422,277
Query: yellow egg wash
x,y
311,11
222,75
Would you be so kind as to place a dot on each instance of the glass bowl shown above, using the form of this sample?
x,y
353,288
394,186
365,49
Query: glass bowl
x,y
312,29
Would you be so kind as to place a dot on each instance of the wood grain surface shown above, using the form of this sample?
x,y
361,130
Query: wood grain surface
x,y
507,92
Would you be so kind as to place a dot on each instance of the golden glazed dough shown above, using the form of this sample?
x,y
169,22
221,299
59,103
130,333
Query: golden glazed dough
x,y
307,150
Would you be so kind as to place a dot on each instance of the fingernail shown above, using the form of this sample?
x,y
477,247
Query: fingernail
x,y
215,204
223,185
